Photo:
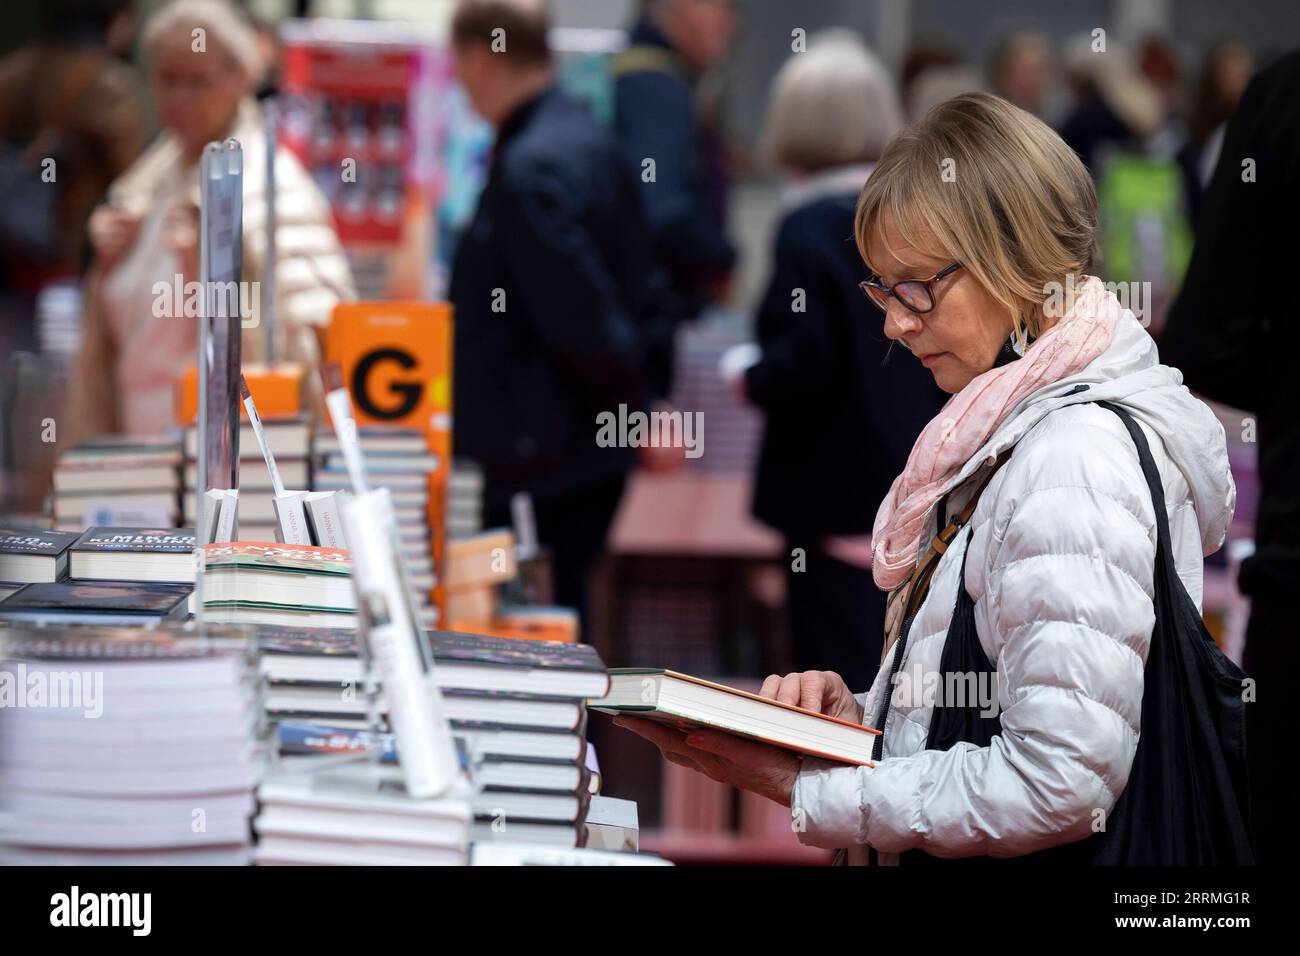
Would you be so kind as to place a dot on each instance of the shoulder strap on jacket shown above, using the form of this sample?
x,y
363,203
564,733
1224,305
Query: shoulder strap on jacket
x,y
919,583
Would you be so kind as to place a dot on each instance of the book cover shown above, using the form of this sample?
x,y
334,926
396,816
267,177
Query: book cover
x,y
136,541
35,541
269,556
309,641
448,648
451,647
100,597
125,643
324,510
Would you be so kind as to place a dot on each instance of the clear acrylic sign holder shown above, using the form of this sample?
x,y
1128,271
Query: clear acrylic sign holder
x,y
221,260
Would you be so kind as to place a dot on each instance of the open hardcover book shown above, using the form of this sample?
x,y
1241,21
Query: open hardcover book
x,y
688,702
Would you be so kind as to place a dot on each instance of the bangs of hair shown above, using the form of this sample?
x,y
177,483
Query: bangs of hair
x,y
904,200
985,183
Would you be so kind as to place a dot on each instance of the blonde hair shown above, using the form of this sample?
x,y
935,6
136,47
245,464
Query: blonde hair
x,y
831,106
221,21
992,186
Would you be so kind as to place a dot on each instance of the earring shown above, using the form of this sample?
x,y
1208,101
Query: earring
x,y
1020,342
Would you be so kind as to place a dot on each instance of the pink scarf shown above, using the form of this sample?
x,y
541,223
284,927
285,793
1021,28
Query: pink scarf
x,y
970,417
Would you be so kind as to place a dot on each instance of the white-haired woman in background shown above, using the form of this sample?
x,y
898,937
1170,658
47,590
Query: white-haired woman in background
x,y
839,423
147,232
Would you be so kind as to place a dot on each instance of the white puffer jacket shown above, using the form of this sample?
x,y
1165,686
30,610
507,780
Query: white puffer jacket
x,y
1062,555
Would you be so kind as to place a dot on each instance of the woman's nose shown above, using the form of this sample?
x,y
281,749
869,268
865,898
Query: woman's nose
x,y
899,320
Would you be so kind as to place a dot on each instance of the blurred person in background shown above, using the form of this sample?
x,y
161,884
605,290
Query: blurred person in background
x,y
1234,333
1227,71
840,418
1159,63
134,348
937,84
655,118
932,73
922,57
65,97
1021,70
548,290
1115,106
1124,130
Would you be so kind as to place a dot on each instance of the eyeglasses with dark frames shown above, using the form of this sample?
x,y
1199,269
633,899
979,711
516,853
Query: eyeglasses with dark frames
x,y
916,294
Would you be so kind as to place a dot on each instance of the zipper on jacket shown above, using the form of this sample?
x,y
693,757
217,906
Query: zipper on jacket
x,y
878,750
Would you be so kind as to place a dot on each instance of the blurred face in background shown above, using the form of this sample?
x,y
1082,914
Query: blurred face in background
x,y
197,94
961,336
474,73
701,30
1233,68
1024,73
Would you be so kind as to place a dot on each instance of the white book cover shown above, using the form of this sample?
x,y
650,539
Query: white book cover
x,y
324,511
291,517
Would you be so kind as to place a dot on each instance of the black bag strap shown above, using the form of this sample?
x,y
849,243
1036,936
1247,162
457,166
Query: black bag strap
x,y
1164,543
1185,663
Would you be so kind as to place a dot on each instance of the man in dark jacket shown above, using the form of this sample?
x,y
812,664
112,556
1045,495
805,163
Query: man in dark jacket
x,y
547,289
1234,333
677,161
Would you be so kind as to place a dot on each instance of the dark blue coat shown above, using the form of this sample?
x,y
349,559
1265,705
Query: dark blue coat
x,y
839,424
548,290
654,116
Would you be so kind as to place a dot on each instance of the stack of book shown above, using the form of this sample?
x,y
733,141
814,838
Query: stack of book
x,y
133,554
289,440
116,480
476,568
397,459
735,426
464,498
123,746
124,576
358,814
517,706
482,572
32,556
279,584
531,622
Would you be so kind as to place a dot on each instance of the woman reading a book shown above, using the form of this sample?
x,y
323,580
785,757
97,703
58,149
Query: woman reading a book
x,y
1023,515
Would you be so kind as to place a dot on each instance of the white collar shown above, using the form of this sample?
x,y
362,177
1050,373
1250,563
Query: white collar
x,y
839,181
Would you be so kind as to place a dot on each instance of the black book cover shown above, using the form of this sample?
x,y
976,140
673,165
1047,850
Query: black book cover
x,y
99,597
136,541
448,648
307,641
35,541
